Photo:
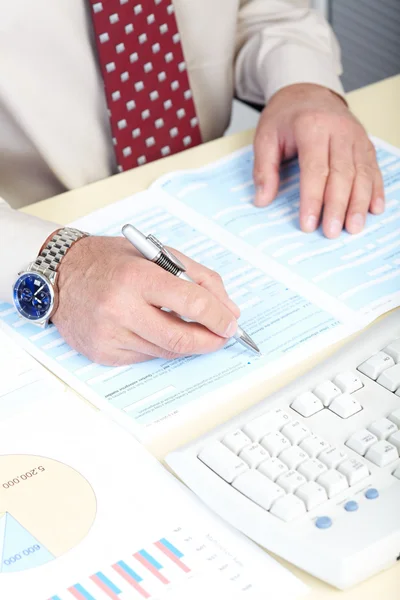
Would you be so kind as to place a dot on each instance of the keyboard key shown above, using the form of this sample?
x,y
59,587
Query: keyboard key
x,y
394,350
253,455
323,522
327,391
361,441
345,406
396,473
236,440
334,482
312,494
288,508
332,457
348,382
312,469
382,428
355,470
258,488
290,481
395,417
272,468
269,421
390,379
375,365
295,432
314,445
382,453
293,457
307,404
395,440
222,461
275,443
371,494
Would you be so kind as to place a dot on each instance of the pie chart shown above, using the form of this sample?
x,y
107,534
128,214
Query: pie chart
x,y
46,509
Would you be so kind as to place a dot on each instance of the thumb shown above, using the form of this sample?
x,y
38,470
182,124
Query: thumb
x,y
267,159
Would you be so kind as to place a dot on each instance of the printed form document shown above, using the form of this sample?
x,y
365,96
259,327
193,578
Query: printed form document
x,y
298,293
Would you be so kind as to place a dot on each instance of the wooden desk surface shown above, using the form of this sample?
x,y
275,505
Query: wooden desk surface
x,y
377,106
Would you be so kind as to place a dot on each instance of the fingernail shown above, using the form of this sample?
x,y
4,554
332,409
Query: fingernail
x,y
310,223
379,206
356,223
334,228
231,329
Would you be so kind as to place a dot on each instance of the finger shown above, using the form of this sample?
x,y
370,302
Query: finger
x,y
339,185
133,342
378,193
175,336
361,195
191,301
208,279
120,357
313,151
267,158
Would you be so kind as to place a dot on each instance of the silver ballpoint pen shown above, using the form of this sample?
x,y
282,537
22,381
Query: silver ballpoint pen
x,y
153,250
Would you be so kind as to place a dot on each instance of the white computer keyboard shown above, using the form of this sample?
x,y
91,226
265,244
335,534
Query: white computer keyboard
x,y
312,473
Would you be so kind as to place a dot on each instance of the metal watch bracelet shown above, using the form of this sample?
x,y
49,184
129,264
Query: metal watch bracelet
x,y
54,251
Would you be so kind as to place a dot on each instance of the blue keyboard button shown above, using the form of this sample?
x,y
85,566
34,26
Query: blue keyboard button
x,y
323,522
371,494
351,506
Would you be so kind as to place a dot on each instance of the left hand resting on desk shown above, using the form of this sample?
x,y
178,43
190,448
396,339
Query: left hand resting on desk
x,y
339,174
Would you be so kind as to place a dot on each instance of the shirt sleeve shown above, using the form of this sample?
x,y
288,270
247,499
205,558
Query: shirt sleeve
x,y
280,43
21,237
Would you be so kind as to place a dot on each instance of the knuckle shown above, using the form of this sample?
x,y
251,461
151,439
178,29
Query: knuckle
x,y
315,167
181,342
200,306
213,278
343,168
365,170
124,274
312,120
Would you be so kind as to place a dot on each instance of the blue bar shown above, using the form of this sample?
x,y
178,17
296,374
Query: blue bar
x,y
151,560
107,582
130,571
82,591
55,598
172,548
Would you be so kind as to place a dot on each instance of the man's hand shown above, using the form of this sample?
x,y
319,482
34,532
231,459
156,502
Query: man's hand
x,y
110,300
339,175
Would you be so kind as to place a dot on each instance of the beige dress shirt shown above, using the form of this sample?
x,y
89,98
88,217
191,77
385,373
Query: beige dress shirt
x,y
54,130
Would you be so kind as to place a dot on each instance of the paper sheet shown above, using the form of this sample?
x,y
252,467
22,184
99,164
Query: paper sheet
x,y
82,516
21,378
361,271
283,323
291,306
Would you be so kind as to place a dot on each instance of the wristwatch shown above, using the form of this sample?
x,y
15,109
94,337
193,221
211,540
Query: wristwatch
x,y
35,292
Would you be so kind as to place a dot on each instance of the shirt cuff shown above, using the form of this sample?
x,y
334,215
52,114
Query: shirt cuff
x,y
21,237
292,63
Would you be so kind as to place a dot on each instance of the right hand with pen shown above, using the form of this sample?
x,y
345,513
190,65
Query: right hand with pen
x,y
110,300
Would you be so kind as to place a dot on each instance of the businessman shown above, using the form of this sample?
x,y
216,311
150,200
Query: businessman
x,y
90,88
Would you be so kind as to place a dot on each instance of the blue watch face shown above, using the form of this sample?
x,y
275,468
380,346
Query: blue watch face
x,y
33,296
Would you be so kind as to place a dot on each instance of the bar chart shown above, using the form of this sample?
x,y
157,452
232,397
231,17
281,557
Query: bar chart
x,y
179,564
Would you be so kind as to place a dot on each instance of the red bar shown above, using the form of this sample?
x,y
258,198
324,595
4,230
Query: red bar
x,y
76,594
150,568
131,581
172,556
104,587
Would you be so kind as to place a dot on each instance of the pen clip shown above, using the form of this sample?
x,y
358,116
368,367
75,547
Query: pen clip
x,y
167,253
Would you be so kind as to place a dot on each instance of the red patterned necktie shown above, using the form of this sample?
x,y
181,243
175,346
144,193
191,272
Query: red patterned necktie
x,y
150,104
